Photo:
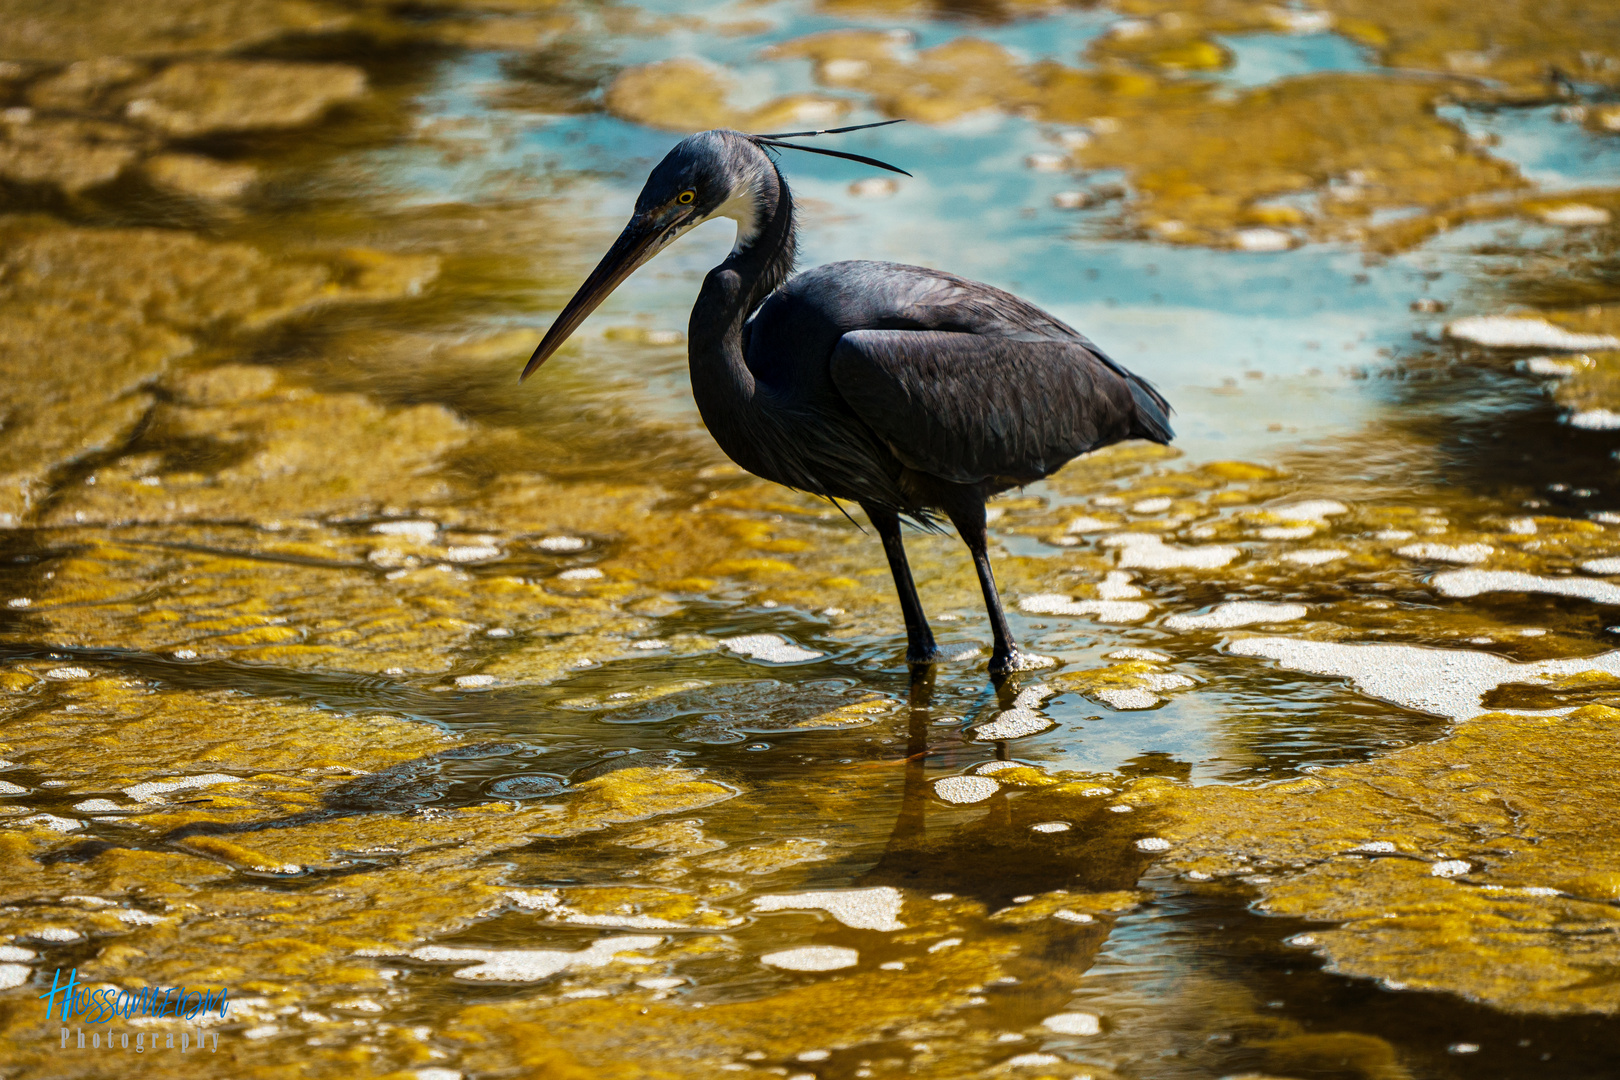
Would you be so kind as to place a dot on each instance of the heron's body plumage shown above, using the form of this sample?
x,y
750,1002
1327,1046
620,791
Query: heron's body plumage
x,y
911,391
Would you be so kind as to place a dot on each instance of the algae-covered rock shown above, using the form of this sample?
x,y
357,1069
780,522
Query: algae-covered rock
x,y
685,95
82,85
199,97
199,177
70,154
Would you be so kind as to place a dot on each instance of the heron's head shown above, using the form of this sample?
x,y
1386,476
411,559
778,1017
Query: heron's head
x,y
708,175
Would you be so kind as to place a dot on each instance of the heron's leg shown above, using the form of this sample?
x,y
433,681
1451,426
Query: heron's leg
x,y
967,514
920,648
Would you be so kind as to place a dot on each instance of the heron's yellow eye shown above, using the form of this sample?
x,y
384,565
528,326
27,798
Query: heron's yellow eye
x,y
686,196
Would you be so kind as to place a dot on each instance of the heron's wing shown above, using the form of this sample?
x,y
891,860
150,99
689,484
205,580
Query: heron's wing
x,y
968,408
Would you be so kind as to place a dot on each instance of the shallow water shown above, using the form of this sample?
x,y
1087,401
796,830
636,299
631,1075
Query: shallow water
x,y
421,660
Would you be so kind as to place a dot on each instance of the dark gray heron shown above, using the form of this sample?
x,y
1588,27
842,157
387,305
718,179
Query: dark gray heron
x,y
910,391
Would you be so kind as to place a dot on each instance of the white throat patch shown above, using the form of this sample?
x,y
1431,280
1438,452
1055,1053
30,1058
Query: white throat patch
x,y
743,208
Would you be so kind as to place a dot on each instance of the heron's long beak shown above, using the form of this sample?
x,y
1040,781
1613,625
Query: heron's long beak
x,y
641,240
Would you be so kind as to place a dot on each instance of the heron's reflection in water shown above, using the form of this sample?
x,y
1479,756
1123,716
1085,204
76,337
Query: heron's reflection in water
x,y
992,850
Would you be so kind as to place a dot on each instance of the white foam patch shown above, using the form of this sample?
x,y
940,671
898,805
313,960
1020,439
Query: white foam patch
x,y
1108,611
15,953
51,822
1065,915
660,982
1475,582
1287,532
472,553
8,788
474,682
1315,556
1051,826
1151,506
1074,1023
1376,847
1602,566
772,648
965,789
1117,586
1238,613
1557,369
1262,240
812,958
1595,420
1032,1061
1575,214
1152,843
1517,332
1450,868
1013,724
583,573
13,975
57,935
1089,525
1309,510
1445,682
149,791
1135,654
532,965
1033,697
1150,552
137,918
99,806
1125,700
65,673
1460,553
858,909
416,530
562,543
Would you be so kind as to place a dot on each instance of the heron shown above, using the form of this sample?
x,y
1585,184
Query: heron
x,y
912,392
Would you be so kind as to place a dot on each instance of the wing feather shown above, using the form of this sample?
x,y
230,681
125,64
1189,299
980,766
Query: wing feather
x,y
971,408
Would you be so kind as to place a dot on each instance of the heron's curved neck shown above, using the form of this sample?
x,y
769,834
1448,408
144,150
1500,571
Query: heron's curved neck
x,y
731,292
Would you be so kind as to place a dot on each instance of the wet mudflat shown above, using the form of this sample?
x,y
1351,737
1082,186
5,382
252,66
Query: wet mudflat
x,y
469,730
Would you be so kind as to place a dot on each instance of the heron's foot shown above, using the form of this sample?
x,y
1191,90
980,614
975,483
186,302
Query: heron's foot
x,y
1006,661
922,653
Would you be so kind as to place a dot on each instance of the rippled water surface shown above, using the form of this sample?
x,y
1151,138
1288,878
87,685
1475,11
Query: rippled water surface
x,y
465,729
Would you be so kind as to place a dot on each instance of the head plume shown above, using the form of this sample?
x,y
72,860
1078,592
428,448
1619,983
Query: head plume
x,y
775,141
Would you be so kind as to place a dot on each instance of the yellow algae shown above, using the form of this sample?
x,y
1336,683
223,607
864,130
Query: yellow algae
x,y
637,907
64,298
286,449
767,858
1515,46
140,734
1206,165
1063,905
197,97
673,838
1476,903
72,154
636,793
638,1037
57,30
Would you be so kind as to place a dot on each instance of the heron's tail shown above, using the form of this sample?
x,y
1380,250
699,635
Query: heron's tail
x,y
1152,420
